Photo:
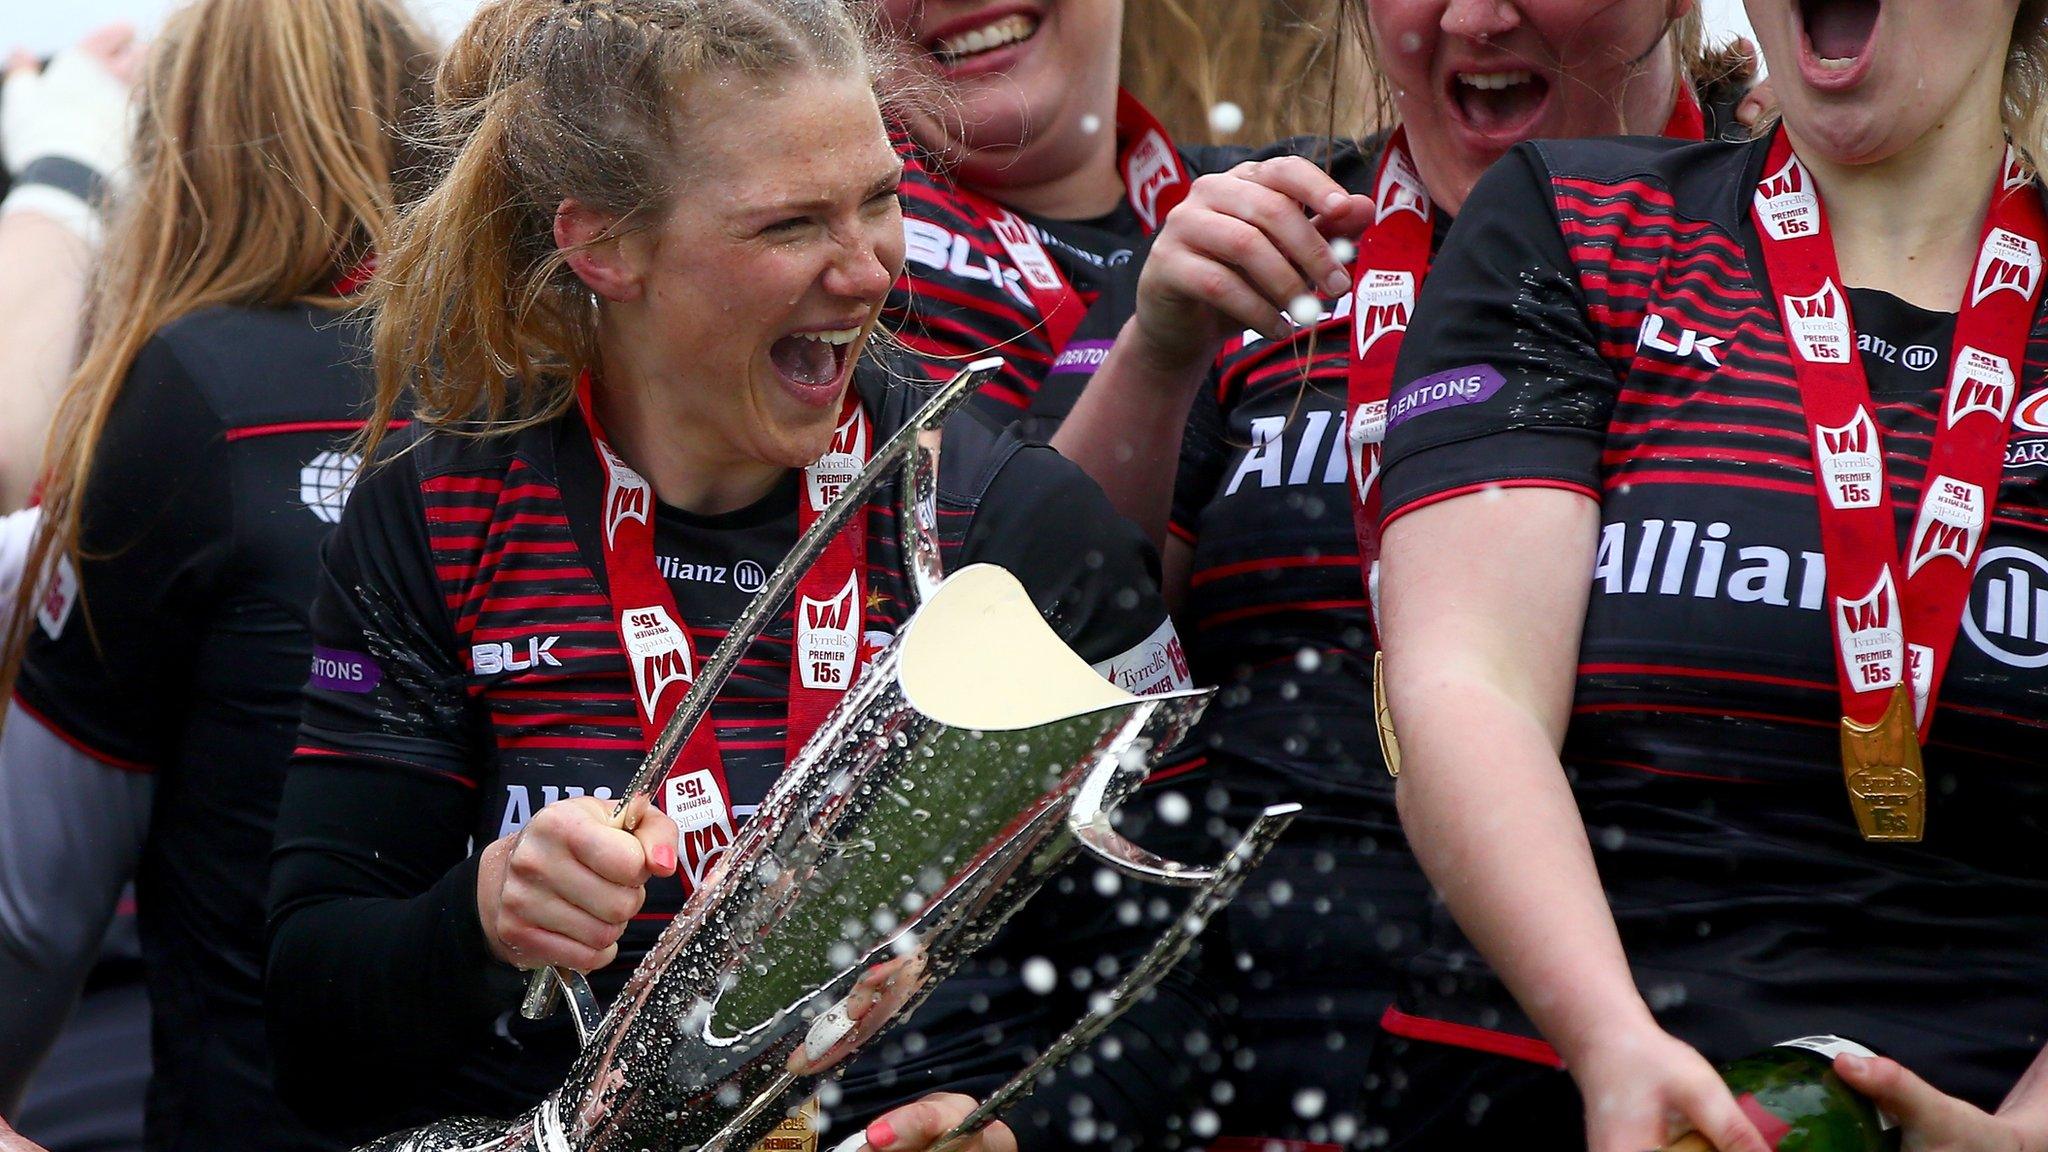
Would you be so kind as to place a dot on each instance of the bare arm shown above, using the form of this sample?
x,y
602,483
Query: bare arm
x,y
44,270
1484,597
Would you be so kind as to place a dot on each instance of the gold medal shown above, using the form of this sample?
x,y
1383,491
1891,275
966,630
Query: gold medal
x,y
796,1133
1881,768
1390,748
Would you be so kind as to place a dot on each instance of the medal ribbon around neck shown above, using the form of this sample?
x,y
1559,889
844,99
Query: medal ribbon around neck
x,y
1895,618
661,648
1154,181
1393,259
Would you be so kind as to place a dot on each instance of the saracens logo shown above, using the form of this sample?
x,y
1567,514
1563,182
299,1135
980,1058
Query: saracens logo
x,y
1872,643
1850,471
1820,325
2008,262
1950,521
1400,189
1381,307
1785,203
831,473
1981,382
626,495
826,646
657,650
1368,431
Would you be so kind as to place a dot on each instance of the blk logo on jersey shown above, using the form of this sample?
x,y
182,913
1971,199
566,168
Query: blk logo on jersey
x,y
1026,252
1981,382
1786,204
826,645
1872,637
1400,189
325,483
930,246
2008,262
1851,471
491,659
1820,325
658,652
829,475
2007,618
1676,342
627,495
1381,305
1950,521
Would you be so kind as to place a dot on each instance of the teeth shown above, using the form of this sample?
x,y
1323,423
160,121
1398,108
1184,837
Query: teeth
x,y
1495,80
1007,30
840,336
1838,63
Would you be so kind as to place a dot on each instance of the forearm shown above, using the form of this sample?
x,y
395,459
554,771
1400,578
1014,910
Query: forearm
x,y
1125,430
45,268
2028,1100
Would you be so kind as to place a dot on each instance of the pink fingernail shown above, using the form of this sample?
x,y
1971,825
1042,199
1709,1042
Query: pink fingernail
x,y
880,1135
664,858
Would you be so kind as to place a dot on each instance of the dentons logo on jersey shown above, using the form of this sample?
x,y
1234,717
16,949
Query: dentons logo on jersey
x,y
60,595
1400,189
627,495
2031,415
695,802
489,659
1950,521
657,650
2008,262
941,250
1851,470
1150,168
1153,665
326,482
1871,637
1026,252
519,805
1786,204
1680,343
1368,433
1454,388
339,670
1280,458
1382,303
829,475
1820,325
1981,382
825,643
2007,618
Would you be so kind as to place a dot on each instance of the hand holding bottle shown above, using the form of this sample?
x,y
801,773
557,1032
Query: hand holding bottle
x,y
1934,1121
1643,1087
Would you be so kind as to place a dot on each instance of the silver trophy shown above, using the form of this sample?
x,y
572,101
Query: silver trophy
x,y
975,758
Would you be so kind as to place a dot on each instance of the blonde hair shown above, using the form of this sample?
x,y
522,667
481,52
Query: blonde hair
x,y
480,321
263,168
1277,60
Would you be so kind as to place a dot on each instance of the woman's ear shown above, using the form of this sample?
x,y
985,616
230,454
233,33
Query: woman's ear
x,y
610,268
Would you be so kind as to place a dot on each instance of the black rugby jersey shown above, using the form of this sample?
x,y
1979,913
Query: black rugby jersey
x,y
177,648
469,672
960,297
1600,320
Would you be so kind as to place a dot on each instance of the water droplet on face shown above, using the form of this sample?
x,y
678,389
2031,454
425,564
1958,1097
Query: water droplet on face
x,y
1091,124
1040,976
1411,41
1225,117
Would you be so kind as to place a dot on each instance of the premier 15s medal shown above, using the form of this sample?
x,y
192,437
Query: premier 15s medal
x,y
1881,769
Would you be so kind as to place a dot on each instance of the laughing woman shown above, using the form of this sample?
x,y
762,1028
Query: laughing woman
x,y
664,235
1777,770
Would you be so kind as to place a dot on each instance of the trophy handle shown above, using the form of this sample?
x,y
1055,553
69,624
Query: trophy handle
x,y
920,530
1088,821
1216,890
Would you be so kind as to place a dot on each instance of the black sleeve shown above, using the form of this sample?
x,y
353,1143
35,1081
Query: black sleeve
x,y
109,664
1077,363
378,969
1203,453
1501,379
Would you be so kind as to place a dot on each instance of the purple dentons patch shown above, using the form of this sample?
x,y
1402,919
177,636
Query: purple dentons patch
x,y
1083,357
1472,384
339,670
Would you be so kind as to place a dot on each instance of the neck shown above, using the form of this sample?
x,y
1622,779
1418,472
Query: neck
x,y
637,404
1910,224
1080,183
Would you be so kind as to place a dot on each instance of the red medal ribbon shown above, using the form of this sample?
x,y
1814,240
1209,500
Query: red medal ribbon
x,y
1154,181
1393,258
662,650
1892,629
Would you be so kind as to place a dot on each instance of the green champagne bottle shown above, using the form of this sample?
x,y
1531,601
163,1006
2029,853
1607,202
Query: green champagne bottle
x,y
1791,1093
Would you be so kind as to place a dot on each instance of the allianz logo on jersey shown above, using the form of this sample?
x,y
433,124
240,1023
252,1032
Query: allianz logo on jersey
x,y
747,576
2007,617
942,250
1308,449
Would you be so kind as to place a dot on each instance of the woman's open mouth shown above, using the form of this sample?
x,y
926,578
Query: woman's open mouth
x,y
1504,104
979,43
1836,40
814,364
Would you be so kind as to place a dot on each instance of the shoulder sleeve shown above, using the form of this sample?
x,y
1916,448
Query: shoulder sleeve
x,y
1088,569
378,973
108,665
1076,364
1203,452
1500,379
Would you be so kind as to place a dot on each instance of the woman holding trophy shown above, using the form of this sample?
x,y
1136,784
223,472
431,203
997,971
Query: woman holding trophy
x,y
630,320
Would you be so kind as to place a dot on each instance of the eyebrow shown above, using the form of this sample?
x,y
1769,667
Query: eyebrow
x,y
882,185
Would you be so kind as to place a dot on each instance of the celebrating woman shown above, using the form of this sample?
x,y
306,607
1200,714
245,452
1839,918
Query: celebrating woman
x,y
1236,418
650,269
1776,769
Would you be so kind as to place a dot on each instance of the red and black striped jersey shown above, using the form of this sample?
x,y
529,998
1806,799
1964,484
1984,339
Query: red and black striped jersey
x,y
1600,320
469,672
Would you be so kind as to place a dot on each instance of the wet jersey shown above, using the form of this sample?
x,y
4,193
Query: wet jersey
x,y
177,648
468,672
961,295
1600,320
